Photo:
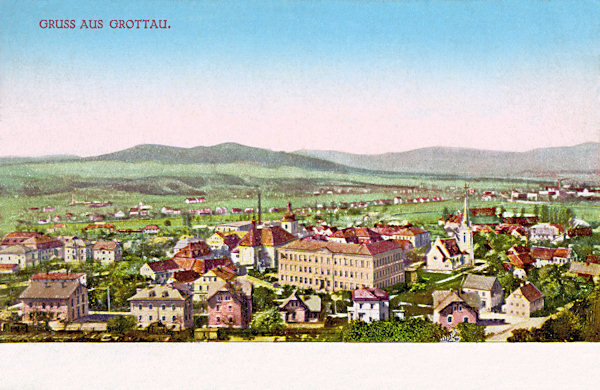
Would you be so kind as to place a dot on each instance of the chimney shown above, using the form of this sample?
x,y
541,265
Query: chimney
x,y
259,209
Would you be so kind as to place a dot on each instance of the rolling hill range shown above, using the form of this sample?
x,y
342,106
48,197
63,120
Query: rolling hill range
x,y
583,159
225,153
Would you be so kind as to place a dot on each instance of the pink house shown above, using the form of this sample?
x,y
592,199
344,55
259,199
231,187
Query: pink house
x,y
230,303
452,308
55,296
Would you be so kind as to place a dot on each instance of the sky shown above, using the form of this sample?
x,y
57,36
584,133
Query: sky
x,y
356,76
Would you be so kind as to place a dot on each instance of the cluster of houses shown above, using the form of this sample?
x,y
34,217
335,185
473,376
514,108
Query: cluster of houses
x,y
19,250
479,294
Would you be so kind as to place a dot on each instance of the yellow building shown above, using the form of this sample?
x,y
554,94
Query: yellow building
x,y
333,266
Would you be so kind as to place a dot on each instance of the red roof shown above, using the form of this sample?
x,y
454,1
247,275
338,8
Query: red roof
x,y
187,276
451,246
530,292
270,236
374,248
542,253
194,250
370,294
104,246
163,265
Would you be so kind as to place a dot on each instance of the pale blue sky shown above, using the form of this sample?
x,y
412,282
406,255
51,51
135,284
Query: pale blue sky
x,y
509,75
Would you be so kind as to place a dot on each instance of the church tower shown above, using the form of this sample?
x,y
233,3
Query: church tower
x,y
288,222
464,236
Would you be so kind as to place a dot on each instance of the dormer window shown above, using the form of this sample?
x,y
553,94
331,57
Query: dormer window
x,y
165,294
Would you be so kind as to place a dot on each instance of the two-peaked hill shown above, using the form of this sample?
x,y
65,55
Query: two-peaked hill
x,y
583,158
225,153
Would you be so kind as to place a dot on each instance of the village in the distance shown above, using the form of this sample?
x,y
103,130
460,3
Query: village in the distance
x,y
486,264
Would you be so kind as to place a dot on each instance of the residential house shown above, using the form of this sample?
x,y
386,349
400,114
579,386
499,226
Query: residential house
x,y
586,270
150,229
217,274
419,238
451,308
546,231
333,266
45,247
55,296
107,252
230,304
488,289
524,301
369,304
9,268
78,250
159,271
19,255
168,305
301,308
546,256
224,243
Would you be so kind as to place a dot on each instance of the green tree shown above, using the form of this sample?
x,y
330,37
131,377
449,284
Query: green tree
x,y
263,298
471,332
121,324
269,321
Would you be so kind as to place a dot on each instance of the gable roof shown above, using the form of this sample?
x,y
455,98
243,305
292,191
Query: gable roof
x,y
479,282
161,293
530,292
447,297
580,268
312,302
237,287
187,276
194,250
57,276
222,272
105,246
163,265
370,294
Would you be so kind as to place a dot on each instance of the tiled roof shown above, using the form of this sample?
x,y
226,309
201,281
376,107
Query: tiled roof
x,y
269,236
542,253
105,246
562,252
451,246
50,290
479,282
521,260
445,298
163,265
15,249
194,250
186,276
222,272
370,294
161,293
591,269
530,292
237,287
351,249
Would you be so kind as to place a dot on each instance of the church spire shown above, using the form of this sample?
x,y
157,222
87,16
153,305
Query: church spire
x,y
465,218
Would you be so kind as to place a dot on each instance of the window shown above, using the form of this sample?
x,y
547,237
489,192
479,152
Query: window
x,y
150,306
466,319
139,318
163,307
229,308
163,318
173,319
172,307
218,320
149,318
139,307
449,319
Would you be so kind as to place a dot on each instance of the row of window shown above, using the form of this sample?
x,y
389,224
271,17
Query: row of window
x,y
322,260
162,318
162,307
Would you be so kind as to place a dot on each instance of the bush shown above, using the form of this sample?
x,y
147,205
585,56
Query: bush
x,y
413,330
269,321
121,324
471,333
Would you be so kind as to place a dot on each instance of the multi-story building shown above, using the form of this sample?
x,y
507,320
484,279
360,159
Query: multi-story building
x,y
169,305
55,296
19,255
525,300
369,304
77,250
335,266
259,247
107,252
418,237
488,289
44,247
230,304
218,274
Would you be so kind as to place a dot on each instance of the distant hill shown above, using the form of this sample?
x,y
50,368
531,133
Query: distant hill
x,y
10,160
220,154
583,158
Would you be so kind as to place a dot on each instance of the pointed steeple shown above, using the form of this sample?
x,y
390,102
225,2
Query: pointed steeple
x,y
465,216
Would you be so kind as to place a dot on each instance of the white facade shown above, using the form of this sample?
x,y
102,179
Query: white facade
x,y
369,311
